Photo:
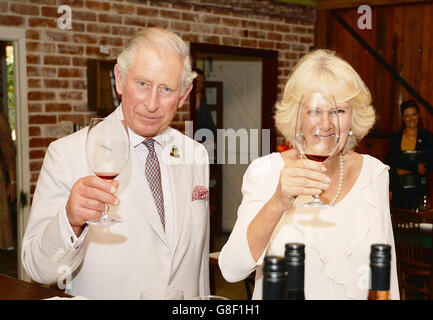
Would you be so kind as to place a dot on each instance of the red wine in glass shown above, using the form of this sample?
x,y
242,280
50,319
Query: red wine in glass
x,y
316,157
107,175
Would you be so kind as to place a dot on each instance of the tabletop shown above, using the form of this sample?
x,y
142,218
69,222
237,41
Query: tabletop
x,y
15,289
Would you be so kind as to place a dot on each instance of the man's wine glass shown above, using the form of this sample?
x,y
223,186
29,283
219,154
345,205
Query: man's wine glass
x,y
107,152
317,134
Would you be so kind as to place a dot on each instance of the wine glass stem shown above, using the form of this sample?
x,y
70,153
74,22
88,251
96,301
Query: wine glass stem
x,y
105,214
317,199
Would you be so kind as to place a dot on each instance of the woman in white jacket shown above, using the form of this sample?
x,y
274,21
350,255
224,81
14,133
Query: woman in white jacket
x,y
337,239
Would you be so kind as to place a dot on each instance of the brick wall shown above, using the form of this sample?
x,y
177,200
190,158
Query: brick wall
x,y
56,59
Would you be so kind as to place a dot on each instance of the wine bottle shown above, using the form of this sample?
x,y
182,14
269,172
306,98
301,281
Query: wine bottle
x,y
294,273
380,266
273,278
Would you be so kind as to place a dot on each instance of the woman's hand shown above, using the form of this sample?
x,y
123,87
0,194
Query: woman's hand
x,y
299,177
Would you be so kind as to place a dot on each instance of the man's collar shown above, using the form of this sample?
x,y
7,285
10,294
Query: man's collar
x,y
162,139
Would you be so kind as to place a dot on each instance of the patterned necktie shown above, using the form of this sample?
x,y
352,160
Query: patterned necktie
x,y
153,176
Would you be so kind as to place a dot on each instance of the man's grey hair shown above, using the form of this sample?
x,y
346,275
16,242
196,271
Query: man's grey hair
x,y
160,39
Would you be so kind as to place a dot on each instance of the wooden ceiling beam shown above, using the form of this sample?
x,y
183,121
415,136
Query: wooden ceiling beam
x,y
339,4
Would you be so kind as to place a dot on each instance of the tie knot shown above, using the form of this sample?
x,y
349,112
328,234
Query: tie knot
x,y
149,143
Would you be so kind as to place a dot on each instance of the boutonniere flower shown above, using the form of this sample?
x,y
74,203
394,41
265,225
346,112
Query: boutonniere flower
x,y
174,155
174,152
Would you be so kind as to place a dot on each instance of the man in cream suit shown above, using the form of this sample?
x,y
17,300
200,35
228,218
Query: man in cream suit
x,y
146,253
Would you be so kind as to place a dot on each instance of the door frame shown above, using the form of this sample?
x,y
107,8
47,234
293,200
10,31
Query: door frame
x,y
18,37
269,72
269,60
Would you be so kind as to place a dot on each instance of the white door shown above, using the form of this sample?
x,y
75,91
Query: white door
x,y
242,114
18,37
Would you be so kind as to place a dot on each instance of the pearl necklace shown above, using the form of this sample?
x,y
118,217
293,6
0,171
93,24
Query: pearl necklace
x,y
340,182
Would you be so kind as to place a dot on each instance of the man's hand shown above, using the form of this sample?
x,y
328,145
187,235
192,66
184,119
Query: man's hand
x,y
87,200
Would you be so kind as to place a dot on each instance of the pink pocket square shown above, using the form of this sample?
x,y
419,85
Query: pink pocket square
x,y
199,192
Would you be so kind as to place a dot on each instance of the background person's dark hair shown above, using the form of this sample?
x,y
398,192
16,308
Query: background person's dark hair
x,y
407,104
198,71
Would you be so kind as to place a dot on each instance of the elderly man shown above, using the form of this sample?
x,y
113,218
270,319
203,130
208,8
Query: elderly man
x,y
152,251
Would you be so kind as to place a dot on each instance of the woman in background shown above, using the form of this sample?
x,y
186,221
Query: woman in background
x,y
203,115
410,158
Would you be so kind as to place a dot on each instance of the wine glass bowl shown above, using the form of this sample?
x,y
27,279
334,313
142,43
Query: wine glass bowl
x,y
107,152
317,133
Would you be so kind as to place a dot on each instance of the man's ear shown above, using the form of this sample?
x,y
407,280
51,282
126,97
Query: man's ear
x,y
185,95
119,80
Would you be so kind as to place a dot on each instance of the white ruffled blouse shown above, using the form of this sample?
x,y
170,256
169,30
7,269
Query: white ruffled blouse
x,y
337,239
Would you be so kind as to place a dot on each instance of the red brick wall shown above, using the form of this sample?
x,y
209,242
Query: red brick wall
x,y
56,59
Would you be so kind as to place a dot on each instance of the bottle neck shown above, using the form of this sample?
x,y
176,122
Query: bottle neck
x,y
273,278
380,264
380,277
295,276
273,288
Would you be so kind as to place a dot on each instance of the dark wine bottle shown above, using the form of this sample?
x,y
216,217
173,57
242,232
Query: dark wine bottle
x,y
294,273
380,266
273,278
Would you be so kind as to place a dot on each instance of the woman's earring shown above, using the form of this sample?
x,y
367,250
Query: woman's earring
x,y
350,133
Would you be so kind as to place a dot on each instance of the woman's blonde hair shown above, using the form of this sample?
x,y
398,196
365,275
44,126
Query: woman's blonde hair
x,y
324,72
157,38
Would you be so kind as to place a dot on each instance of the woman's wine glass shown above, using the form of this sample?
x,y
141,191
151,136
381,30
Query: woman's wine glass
x,y
107,152
317,134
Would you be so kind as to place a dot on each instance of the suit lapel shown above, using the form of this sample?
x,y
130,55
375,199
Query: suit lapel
x,y
135,185
180,180
181,175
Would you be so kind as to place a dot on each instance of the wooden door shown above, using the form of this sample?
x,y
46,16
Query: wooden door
x,y
242,96
401,35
